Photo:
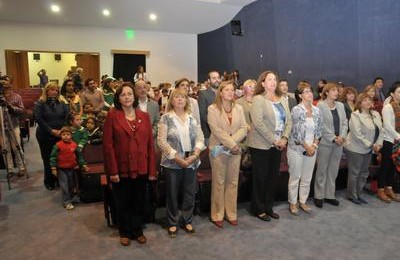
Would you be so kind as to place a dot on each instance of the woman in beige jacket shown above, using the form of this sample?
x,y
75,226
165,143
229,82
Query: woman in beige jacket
x,y
270,130
228,127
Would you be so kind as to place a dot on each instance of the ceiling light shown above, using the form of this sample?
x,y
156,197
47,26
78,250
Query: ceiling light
x,y
153,17
55,8
106,12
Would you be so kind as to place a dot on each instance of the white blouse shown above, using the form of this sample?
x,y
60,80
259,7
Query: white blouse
x,y
183,132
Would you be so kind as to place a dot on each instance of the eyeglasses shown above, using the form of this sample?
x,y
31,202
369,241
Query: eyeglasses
x,y
306,91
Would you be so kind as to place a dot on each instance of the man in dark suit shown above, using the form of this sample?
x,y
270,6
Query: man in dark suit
x,y
380,94
77,78
284,87
147,105
206,98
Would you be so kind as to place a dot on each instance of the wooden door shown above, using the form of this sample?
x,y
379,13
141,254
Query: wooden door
x,y
90,63
17,67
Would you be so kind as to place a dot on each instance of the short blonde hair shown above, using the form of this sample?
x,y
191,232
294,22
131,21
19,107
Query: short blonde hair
x,y
328,87
175,93
247,83
50,85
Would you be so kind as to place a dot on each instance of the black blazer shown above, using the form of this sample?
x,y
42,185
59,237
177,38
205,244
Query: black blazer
x,y
50,116
206,98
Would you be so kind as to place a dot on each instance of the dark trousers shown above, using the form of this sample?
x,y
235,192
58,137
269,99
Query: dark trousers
x,y
46,145
66,179
180,181
129,197
387,171
265,165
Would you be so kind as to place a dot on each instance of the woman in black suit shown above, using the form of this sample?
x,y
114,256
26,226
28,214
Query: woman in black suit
x,y
51,114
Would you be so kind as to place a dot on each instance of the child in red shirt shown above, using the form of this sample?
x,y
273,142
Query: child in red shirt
x,y
64,159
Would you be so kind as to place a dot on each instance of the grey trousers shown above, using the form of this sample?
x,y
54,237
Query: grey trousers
x,y
66,181
328,161
357,173
180,181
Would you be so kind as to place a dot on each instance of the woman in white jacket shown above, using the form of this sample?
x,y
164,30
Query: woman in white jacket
x,y
391,134
365,137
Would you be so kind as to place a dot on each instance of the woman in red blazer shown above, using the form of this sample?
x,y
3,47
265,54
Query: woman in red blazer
x,y
130,161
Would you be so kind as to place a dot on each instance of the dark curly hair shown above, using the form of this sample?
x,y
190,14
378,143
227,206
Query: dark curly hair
x,y
118,92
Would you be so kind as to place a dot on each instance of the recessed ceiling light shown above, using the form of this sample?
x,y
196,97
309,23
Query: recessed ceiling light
x,y
55,8
153,17
106,12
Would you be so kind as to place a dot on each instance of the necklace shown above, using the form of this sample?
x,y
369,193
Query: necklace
x,y
227,111
331,104
130,115
131,126
271,97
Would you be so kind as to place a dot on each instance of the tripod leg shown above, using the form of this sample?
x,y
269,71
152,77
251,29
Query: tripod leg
x,y
13,135
3,146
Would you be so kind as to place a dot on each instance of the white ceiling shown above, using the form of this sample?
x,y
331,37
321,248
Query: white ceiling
x,y
181,16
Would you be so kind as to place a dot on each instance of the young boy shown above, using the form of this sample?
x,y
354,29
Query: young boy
x,y
88,111
64,159
95,133
79,134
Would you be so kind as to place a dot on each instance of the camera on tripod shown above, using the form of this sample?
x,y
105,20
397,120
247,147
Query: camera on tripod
x,y
9,141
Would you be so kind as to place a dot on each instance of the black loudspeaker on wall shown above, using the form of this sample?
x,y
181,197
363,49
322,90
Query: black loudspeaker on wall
x,y
236,28
36,56
57,57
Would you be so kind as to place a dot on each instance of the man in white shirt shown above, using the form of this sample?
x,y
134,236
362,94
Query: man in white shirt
x,y
147,105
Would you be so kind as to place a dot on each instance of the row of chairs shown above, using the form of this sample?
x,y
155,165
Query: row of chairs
x,y
29,97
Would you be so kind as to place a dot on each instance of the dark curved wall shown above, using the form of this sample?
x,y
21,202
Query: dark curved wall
x,y
341,40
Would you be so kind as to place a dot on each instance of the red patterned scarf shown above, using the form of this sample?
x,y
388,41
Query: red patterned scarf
x,y
396,110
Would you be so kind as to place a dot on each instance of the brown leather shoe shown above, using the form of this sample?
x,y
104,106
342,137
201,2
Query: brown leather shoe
x,y
293,209
141,239
305,207
391,195
382,196
124,241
